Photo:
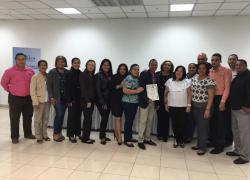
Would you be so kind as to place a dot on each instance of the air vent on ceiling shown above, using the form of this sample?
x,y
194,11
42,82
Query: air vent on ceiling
x,y
117,2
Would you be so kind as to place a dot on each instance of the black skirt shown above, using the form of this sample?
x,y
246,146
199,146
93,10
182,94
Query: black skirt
x,y
116,107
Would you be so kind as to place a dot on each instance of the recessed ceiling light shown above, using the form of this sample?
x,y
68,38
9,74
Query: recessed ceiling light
x,y
181,7
68,10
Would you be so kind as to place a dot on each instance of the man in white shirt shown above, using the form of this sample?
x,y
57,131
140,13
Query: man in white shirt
x,y
232,59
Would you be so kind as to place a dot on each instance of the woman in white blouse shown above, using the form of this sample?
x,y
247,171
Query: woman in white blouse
x,y
177,99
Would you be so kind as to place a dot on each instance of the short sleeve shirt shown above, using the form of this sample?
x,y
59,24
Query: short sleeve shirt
x,y
130,83
177,96
200,89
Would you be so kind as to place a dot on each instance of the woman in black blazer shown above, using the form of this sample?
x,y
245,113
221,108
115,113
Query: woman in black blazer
x,y
88,95
164,74
74,105
116,97
103,79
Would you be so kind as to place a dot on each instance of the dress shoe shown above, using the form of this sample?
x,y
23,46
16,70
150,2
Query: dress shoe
x,y
133,140
150,142
39,141
142,146
107,139
201,152
216,151
88,141
103,141
128,144
240,161
46,139
195,148
15,141
232,154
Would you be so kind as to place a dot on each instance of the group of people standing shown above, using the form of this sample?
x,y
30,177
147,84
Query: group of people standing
x,y
211,98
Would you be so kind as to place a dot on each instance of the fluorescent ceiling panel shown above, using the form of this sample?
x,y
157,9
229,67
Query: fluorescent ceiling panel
x,y
181,7
68,10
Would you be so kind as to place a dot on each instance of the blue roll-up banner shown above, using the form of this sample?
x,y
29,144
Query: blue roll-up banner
x,y
33,56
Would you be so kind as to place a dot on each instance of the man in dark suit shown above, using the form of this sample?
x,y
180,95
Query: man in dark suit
x,y
147,106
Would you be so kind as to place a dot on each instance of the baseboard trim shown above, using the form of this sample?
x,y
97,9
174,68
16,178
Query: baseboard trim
x,y
4,106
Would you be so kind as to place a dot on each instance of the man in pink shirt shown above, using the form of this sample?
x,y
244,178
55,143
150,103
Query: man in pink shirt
x,y
16,81
222,78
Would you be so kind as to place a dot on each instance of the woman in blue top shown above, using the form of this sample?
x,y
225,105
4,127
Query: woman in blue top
x,y
130,101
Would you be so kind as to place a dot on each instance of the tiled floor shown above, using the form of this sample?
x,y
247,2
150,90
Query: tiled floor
x,y
51,160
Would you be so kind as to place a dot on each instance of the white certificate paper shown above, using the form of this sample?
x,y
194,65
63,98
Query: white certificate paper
x,y
152,92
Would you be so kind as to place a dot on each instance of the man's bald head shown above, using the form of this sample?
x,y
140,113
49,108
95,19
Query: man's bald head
x,y
202,57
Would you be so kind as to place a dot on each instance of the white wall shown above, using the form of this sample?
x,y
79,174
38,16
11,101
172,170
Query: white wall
x,y
126,40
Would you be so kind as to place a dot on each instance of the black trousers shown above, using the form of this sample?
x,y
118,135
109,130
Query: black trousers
x,y
178,116
163,122
74,119
189,125
104,120
17,106
229,132
218,124
87,122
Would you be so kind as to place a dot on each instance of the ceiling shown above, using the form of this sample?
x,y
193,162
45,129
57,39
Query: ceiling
x,y
90,9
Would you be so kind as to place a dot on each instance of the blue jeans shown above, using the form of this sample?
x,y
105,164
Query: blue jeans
x,y
60,108
130,110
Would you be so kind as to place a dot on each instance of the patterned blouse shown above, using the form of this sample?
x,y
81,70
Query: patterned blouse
x,y
130,83
200,89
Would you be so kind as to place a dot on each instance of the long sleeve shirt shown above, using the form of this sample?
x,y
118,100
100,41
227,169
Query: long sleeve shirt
x,y
17,81
222,78
240,91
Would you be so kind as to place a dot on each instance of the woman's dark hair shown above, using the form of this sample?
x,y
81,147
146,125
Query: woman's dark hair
x,y
75,59
183,75
171,68
91,60
119,67
61,58
151,61
206,65
20,54
110,65
192,64
196,66
42,61
132,66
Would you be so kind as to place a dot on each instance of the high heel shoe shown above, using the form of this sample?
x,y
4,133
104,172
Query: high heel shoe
x,y
103,141
72,140
176,144
182,145
119,141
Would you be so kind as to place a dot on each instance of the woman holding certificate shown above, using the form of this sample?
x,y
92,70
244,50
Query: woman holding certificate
x,y
177,99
